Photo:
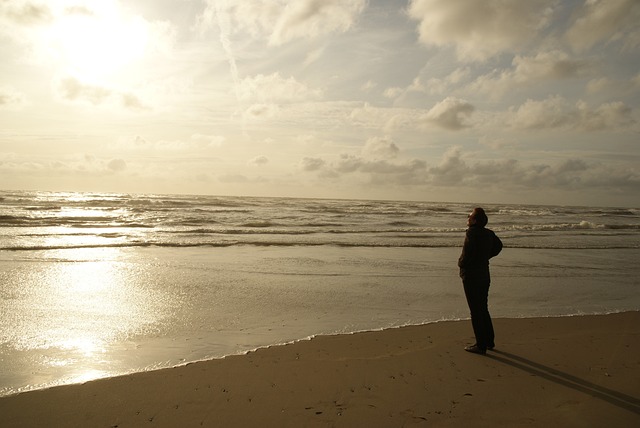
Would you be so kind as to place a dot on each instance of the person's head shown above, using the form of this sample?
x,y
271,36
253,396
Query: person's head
x,y
478,217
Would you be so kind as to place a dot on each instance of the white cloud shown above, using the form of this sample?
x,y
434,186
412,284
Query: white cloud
x,y
529,71
198,143
24,12
547,65
259,160
598,85
605,21
443,85
608,116
393,92
232,178
451,169
380,148
557,112
309,164
313,56
338,84
117,165
368,85
385,119
456,169
372,166
480,29
411,171
11,99
553,112
261,111
208,140
73,165
449,114
282,21
274,88
310,18
73,90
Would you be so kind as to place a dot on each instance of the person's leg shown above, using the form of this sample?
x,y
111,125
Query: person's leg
x,y
476,294
488,333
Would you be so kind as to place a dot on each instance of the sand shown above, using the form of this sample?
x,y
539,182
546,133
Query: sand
x,y
571,372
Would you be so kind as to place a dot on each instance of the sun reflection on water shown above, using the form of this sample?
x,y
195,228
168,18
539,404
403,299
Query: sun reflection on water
x,y
90,300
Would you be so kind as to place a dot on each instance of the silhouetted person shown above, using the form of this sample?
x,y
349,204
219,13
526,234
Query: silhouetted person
x,y
480,244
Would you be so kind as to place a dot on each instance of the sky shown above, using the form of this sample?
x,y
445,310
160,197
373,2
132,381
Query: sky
x,y
493,101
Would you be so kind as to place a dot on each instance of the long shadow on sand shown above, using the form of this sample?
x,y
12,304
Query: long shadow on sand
x,y
624,401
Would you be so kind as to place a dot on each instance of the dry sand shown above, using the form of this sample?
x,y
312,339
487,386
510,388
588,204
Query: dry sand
x,y
568,372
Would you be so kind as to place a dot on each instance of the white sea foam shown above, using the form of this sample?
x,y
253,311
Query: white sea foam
x,y
40,220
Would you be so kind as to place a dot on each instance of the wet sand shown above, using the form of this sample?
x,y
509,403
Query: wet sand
x,y
572,372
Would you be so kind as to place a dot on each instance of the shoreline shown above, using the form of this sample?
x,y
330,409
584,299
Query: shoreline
x,y
571,371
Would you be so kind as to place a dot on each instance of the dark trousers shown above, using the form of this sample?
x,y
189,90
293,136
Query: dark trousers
x,y
477,293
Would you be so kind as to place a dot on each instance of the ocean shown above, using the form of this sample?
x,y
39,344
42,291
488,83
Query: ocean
x,y
96,285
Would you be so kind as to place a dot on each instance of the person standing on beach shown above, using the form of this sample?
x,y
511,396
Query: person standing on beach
x,y
480,244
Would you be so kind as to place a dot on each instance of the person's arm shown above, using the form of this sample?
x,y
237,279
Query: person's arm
x,y
496,247
465,251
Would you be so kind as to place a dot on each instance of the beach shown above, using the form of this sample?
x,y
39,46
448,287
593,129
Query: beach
x,y
178,311
567,371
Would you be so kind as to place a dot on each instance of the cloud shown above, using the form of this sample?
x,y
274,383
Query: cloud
x,y
197,143
393,92
282,21
380,148
203,140
449,114
72,89
259,160
451,169
232,178
10,99
440,85
374,163
455,169
608,116
605,21
598,85
556,112
274,88
312,164
61,165
368,86
261,111
131,102
313,56
117,165
393,172
310,18
530,70
480,29
546,65
386,119
24,12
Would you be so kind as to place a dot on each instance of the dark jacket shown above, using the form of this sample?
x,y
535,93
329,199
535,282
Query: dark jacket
x,y
480,244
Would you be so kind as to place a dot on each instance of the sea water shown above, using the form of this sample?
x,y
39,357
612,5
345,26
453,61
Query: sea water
x,y
97,285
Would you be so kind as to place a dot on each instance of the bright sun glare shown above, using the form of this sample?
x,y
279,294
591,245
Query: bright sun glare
x,y
95,43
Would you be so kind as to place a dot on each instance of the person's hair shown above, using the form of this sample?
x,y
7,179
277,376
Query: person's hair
x,y
480,216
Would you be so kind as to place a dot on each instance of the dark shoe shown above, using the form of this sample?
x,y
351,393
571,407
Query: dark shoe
x,y
490,347
474,349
